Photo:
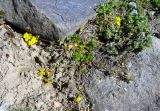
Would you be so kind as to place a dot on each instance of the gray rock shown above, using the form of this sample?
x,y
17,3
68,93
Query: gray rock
x,y
158,27
156,24
109,94
50,18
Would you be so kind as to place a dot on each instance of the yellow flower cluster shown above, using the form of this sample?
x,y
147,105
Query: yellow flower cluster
x,y
118,21
30,39
46,75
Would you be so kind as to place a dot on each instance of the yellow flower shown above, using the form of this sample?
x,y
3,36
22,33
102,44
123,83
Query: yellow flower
x,y
42,72
48,74
45,73
78,99
118,21
118,24
33,41
30,39
27,36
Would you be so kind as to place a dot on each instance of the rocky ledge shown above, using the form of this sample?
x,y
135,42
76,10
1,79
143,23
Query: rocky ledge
x,y
50,18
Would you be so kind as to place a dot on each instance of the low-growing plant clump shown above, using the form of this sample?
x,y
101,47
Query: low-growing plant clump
x,y
83,51
123,26
150,4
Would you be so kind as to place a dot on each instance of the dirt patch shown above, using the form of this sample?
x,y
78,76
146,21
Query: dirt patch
x,y
20,83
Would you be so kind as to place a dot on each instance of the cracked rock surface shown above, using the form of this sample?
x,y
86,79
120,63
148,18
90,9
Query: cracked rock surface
x,y
109,94
50,18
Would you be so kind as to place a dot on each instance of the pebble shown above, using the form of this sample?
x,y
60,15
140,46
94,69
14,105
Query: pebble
x,y
57,104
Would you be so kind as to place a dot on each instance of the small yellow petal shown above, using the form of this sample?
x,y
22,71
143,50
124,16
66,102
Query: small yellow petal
x,y
42,72
118,19
27,36
118,24
81,29
48,74
29,43
34,39
78,99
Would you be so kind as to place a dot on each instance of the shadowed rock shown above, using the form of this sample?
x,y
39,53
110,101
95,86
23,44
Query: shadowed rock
x,y
49,18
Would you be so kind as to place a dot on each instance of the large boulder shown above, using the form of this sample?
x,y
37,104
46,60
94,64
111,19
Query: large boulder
x,y
49,18
110,94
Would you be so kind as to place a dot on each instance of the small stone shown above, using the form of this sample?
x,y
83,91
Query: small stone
x,y
125,89
59,75
158,27
57,104
39,104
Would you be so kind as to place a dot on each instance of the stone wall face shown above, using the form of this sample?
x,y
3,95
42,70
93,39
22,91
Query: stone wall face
x,y
50,18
